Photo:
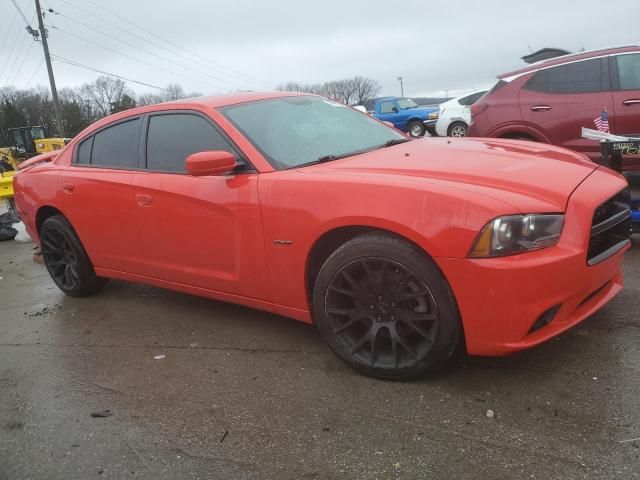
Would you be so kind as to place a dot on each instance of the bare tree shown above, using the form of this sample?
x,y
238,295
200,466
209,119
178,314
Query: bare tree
x,y
105,91
351,91
365,90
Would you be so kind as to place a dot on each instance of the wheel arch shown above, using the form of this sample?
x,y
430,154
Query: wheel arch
x,y
45,212
332,239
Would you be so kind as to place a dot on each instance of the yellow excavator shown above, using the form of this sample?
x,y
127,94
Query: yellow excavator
x,y
27,142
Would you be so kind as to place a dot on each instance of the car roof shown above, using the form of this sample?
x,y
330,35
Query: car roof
x,y
572,57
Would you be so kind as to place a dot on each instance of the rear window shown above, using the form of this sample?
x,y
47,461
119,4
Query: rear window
x,y
83,156
117,146
471,99
629,71
578,77
497,86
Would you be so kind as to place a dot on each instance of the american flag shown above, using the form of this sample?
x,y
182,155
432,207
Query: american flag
x,y
602,122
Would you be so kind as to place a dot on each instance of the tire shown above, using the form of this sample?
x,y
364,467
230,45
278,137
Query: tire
x,y
384,307
66,260
415,128
458,129
431,129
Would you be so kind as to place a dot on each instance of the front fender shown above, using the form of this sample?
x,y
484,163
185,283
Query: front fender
x,y
298,209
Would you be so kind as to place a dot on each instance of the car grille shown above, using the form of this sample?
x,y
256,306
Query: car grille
x,y
610,228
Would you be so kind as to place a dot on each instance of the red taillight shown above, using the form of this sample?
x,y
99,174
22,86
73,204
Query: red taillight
x,y
478,107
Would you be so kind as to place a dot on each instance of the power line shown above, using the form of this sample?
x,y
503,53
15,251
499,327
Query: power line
x,y
18,53
216,67
11,50
94,69
24,58
148,52
6,37
124,54
21,13
34,72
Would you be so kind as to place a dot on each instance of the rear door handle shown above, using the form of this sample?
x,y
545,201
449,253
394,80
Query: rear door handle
x,y
67,187
540,108
144,200
631,101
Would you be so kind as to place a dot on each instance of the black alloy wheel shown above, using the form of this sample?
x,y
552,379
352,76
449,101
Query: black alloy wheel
x,y
66,260
382,312
60,259
384,307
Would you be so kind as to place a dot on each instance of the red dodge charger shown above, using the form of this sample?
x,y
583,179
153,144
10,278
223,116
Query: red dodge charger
x,y
399,250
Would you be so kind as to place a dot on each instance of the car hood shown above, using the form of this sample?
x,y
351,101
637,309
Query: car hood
x,y
531,177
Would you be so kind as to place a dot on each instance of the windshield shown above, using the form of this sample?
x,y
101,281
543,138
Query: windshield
x,y
405,103
295,131
37,132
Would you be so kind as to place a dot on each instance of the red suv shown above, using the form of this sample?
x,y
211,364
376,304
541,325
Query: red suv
x,y
551,101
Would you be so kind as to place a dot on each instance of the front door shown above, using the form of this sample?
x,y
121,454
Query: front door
x,y
199,231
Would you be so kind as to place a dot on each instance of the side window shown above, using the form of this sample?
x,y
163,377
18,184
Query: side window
x,y
173,137
83,154
579,77
117,146
629,71
386,107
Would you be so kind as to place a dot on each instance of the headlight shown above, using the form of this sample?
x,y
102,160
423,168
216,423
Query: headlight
x,y
516,234
433,115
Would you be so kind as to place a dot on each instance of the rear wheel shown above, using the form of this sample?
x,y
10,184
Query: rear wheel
x,y
66,260
457,129
384,307
416,128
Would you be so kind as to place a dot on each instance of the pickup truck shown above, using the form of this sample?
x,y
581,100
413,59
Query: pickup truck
x,y
406,115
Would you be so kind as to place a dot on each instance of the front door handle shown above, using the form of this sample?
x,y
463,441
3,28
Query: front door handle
x,y
540,108
631,101
67,187
144,200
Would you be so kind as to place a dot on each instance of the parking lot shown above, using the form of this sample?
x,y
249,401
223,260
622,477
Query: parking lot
x,y
243,394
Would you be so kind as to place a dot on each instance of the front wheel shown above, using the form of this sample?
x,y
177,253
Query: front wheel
x,y
416,128
383,306
66,260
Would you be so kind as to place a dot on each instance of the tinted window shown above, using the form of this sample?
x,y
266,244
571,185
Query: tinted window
x,y
471,99
386,107
117,146
578,77
629,71
83,156
172,138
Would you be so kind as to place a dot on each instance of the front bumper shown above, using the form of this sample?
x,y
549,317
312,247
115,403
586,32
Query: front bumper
x,y
500,299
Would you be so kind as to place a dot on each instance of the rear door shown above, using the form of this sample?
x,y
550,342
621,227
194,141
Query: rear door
x,y
558,101
199,231
98,198
625,75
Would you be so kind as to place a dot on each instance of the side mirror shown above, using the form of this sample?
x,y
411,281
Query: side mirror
x,y
395,110
212,162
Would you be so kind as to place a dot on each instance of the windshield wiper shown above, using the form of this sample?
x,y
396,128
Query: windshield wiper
x,y
394,141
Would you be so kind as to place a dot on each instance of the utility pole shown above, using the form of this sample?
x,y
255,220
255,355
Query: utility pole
x,y
52,81
401,87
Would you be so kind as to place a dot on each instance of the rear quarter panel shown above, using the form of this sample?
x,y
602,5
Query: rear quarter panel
x,y
37,187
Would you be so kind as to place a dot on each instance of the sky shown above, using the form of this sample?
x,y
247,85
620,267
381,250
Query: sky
x,y
216,46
